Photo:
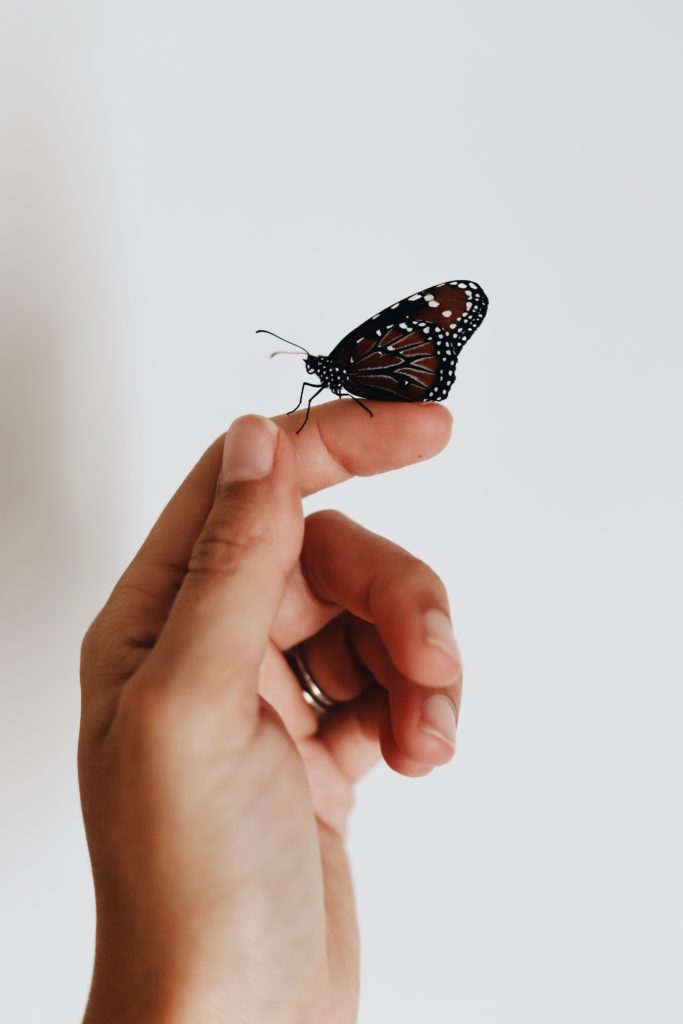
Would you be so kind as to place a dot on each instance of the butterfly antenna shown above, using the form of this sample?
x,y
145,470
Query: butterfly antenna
x,y
287,342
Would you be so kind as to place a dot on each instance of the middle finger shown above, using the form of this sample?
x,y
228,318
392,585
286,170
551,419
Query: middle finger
x,y
346,567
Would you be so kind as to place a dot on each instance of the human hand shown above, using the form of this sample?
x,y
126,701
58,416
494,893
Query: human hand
x,y
214,797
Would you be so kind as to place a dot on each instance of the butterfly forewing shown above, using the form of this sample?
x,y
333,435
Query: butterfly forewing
x,y
408,352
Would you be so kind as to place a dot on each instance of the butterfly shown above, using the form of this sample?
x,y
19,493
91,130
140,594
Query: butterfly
x,y
406,353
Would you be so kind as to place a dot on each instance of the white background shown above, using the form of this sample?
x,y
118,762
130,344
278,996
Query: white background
x,y
177,175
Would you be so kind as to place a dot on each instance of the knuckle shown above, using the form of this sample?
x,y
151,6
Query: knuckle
x,y
90,641
405,578
454,690
325,532
324,519
151,727
106,645
457,683
418,574
145,708
225,541
160,720
419,568
96,647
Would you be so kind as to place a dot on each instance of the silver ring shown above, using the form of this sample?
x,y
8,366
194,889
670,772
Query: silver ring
x,y
310,691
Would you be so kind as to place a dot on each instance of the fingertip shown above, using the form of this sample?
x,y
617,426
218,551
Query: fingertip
x,y
396,757
424,429
249,449
437,423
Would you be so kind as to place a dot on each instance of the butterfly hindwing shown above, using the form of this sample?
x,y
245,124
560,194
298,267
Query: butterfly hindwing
x,y
397,366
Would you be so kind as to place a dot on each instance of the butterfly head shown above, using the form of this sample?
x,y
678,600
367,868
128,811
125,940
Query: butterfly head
x,y
312,364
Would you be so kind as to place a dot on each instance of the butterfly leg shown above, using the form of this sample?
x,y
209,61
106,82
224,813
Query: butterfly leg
x,y
362,405
306,384
308,407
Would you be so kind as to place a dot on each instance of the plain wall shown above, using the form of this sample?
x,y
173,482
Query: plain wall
x,y
175,176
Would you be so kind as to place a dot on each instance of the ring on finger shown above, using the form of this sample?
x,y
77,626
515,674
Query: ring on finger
x,y
311,691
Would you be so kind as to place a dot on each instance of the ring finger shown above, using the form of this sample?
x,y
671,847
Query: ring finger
x,y
413,725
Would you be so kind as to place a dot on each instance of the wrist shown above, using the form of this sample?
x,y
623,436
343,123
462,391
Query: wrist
x,y
117,1001
142,992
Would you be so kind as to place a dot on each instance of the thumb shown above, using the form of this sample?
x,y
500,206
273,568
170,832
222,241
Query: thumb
x,y
217,630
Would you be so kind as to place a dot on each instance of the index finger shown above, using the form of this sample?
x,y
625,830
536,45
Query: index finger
x,y
340,441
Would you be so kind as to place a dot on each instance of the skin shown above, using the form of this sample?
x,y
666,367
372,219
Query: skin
x,y
215,799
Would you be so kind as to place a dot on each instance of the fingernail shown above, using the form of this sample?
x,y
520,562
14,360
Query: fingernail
x,y
249,449
439,632
437,717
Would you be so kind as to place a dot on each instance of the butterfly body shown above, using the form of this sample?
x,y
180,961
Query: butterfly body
x,y
328,373
407,352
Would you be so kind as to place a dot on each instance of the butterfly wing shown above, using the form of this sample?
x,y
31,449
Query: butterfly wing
x,y
408,352
399,365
